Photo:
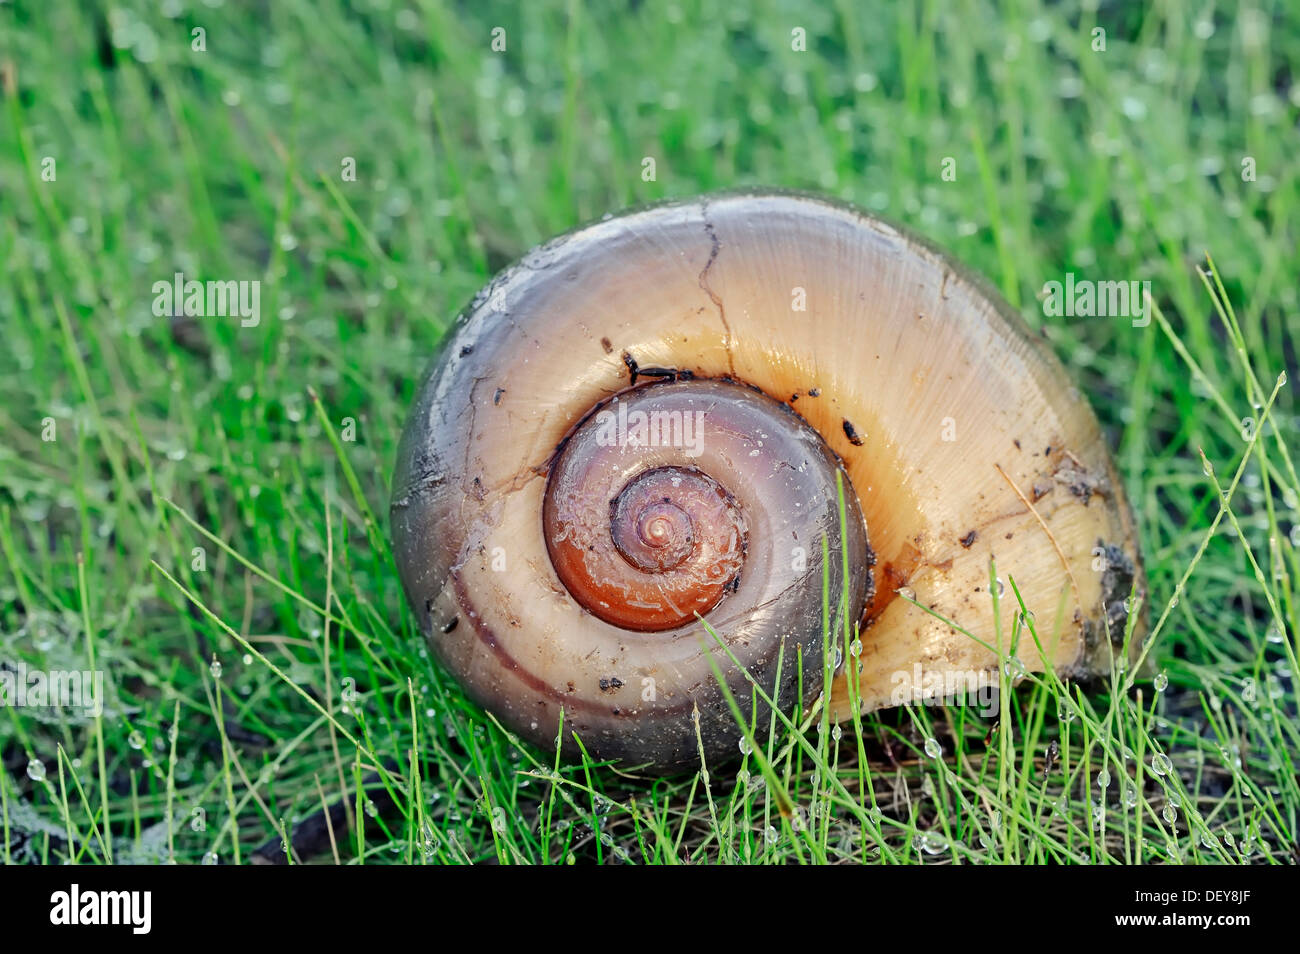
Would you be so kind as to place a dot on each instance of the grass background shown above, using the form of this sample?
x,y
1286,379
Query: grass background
x,y
179,434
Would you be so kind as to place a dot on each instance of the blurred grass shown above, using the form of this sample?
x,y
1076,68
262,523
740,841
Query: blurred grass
x,y
1124,164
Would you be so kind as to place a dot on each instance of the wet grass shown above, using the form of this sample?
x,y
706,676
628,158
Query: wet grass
x,y
206,525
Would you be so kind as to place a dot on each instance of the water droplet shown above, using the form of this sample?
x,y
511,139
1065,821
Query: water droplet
x,y
855,647
745,747
796,820
135,740
1103,779
1274,632
1064,713
36,770
1208,840
995,820
927,786
1248,692
933,843
1161,682
215,668
837,733
933,748
371,810
1170,813
769,835
1161,764
499,820
1130,794
210,858
1281,380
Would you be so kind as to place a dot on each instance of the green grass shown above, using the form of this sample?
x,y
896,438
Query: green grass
x,y
202,499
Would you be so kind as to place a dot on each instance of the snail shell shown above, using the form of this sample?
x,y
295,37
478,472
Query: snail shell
x,y
557,571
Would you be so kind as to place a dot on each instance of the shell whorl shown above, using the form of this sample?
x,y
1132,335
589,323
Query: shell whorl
x,y
960,437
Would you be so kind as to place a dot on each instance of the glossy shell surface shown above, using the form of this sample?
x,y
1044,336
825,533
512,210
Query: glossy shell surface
x,y
962,438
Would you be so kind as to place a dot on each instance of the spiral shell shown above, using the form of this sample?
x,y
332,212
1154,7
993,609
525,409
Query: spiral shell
x,y
959,441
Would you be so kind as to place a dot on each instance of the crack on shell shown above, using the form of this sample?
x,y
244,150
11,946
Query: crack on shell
x,y
714,249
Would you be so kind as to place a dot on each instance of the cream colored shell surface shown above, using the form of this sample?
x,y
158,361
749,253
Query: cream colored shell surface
x,y
970,443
